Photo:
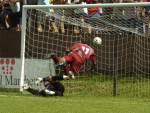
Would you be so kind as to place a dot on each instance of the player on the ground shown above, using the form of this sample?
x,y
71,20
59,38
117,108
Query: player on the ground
x,y
52,86
74,59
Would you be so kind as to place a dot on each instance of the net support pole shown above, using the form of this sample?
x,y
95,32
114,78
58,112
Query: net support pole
x,y
24,14
115,65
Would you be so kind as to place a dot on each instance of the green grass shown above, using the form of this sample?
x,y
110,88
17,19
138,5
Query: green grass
x,y
103,85
26,103
90,95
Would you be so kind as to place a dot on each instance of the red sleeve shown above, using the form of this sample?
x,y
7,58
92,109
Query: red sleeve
x,y
72,47
75,46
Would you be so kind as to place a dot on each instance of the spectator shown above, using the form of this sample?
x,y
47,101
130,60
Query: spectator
x,y
30,15
11,14
6,9
58,2
58,12
1,6
31,2
93,13
145,15
146,9
42,15
43,18
1,3
128,18
18,14
131,15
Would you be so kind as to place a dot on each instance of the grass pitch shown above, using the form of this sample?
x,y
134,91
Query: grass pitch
x,y
26,103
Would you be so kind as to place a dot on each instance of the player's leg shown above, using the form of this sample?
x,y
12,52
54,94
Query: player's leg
x,y
50,88
36,92
66,69
49,92
73,59
68,58
60,89
62,61
40,79
50,79
33,91
75,67
58,61
53,56
56,89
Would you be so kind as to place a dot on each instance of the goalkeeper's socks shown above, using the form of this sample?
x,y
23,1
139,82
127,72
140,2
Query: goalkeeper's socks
x,y
34,92
49,92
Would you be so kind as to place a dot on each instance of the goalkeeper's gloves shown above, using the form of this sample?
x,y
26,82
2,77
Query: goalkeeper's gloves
x,y
38,80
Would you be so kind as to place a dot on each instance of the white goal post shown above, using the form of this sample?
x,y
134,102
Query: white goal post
x,y
123,57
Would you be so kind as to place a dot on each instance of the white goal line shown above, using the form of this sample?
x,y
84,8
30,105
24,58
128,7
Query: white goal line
x,y
71,100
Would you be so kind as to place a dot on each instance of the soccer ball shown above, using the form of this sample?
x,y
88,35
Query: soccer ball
x,y
97,41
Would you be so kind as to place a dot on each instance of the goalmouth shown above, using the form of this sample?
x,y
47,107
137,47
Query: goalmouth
x,y
122,58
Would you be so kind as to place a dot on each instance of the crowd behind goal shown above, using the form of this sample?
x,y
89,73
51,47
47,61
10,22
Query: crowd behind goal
x,y
11,12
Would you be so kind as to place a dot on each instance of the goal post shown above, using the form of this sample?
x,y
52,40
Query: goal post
x,y
123,60
23,37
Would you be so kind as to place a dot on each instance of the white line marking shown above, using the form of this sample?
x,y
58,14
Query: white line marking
x,y
71,100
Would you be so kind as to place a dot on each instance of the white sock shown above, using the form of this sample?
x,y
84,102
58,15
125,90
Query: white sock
x,y
65,77
49,92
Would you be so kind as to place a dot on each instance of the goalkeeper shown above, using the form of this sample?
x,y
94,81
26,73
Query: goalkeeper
x,y
53,86
74,59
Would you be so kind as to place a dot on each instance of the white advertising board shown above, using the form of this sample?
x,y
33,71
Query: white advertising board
x,y
10,70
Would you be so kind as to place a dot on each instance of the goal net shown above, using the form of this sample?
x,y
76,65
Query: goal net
x,y
123,58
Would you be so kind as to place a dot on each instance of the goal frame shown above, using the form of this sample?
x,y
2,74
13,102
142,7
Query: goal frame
x,y
24,14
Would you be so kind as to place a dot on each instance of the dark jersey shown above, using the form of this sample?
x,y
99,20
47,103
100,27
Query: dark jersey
x,y
57,87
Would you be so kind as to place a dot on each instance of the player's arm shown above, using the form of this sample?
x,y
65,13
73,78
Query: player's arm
x,y
72,48
93,60
93,65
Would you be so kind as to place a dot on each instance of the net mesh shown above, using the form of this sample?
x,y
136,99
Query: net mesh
x,y
123,57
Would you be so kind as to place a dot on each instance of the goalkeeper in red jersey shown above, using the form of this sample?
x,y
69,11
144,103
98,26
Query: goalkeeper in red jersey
x,y
74,59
